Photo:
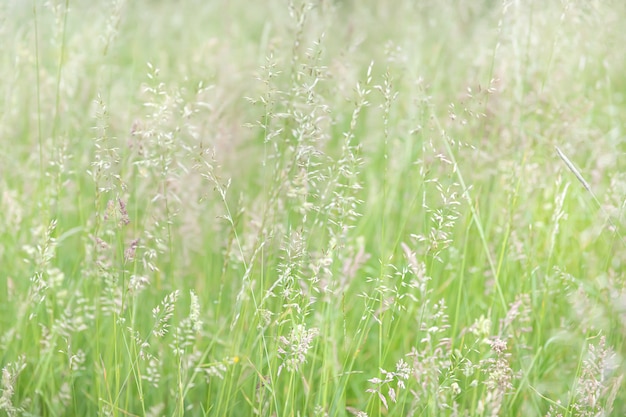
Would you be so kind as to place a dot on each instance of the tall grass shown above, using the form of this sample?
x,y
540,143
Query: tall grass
x,y
321,208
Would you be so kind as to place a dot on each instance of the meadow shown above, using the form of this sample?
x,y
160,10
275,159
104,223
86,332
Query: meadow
x,y
312,208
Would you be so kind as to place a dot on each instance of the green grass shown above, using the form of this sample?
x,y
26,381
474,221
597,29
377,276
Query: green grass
x,y
324,208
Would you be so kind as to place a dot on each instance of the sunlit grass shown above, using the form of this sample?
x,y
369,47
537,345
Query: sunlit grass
x,y
312,208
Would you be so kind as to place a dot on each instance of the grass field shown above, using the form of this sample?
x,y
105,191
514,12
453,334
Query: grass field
x,y
312,208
